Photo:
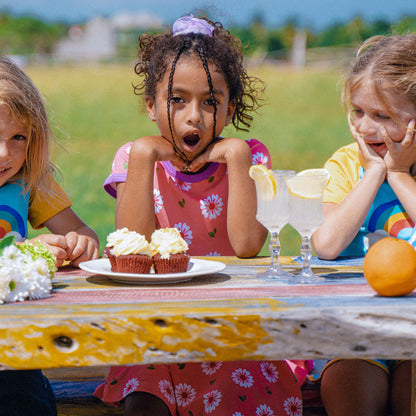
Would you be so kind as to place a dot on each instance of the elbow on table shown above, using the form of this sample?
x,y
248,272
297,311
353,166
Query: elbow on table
x,y
326,248
246,253
246,249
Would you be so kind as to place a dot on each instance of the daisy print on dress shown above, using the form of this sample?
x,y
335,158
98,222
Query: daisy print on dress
x,y
157,200
165,387
293,406
242,377
269,371
210,367
185,231
212,400
264,410
213,253
211,206
184,394
130,386
184,186
259,159
237,414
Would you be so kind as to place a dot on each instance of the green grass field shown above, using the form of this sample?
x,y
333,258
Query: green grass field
x,y
93,111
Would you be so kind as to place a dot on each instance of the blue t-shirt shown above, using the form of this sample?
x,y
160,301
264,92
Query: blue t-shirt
x,y
386,217
14,210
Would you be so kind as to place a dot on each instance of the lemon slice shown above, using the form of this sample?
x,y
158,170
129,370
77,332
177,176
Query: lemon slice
x,y
316,172
265,182
311,187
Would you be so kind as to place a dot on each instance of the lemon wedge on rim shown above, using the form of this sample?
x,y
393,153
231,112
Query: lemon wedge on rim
x,y
264,181
316,172
310,188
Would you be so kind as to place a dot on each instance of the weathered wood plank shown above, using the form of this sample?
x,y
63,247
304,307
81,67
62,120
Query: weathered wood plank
x,y
92,321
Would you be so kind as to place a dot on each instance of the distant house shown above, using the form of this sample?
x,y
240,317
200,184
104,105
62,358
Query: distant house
x,y
98,39
95,42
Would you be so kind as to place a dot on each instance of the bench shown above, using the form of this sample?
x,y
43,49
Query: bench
x,y
74,387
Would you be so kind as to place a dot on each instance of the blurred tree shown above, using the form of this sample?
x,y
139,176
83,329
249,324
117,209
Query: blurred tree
x,y
27,35
405,25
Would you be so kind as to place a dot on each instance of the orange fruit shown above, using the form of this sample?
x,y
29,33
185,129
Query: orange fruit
x,y
390,267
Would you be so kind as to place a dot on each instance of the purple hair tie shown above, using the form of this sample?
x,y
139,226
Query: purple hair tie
x,y
190,24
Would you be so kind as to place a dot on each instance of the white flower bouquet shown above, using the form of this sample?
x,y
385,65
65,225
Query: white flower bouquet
x,y
26,271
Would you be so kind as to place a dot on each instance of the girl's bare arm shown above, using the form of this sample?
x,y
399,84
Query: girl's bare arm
x,y
343,221
134,207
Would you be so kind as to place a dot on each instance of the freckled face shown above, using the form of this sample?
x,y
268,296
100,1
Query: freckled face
x,y
369,114
191,106
13,144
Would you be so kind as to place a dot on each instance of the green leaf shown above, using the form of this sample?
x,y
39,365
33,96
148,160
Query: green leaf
x,y
211,382
181,366
211,234
5,242
242,398
211,179
113,381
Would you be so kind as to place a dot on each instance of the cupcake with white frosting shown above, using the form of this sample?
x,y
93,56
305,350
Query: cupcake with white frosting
x,y
128,252
169,251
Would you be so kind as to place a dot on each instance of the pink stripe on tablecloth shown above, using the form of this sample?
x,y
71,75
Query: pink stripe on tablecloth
x,y
172,294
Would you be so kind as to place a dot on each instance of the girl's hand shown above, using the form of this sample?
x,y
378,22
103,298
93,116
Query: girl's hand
x,y
57,244
80,248
72,247
157,149
220,151
368,157
401,155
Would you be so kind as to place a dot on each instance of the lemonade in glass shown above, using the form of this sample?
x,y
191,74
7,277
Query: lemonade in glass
x,y
272,212
306,214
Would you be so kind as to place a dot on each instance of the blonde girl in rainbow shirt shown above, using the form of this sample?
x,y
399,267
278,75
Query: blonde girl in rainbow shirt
x,y
372,194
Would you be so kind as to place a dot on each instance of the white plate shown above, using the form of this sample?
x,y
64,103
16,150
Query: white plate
x,y
196,267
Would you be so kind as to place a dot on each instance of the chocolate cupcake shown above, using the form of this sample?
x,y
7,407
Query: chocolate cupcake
x,y
128,252
176,263
132,263
169,251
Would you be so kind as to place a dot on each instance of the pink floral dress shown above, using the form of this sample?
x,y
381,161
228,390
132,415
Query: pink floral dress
x,y
197,206
240,388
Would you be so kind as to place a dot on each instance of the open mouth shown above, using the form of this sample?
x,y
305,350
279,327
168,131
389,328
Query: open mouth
x,y
191,140
378,146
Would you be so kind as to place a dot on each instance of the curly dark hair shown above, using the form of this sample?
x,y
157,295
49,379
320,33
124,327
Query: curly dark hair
x,y
159,53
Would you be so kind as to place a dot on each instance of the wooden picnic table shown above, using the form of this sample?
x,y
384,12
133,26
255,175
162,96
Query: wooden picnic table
x,y
91,320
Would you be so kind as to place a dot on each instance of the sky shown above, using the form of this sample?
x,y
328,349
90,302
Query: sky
x,y
313,14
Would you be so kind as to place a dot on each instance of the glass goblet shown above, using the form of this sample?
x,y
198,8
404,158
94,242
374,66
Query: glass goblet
x,y
273,213
306,215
